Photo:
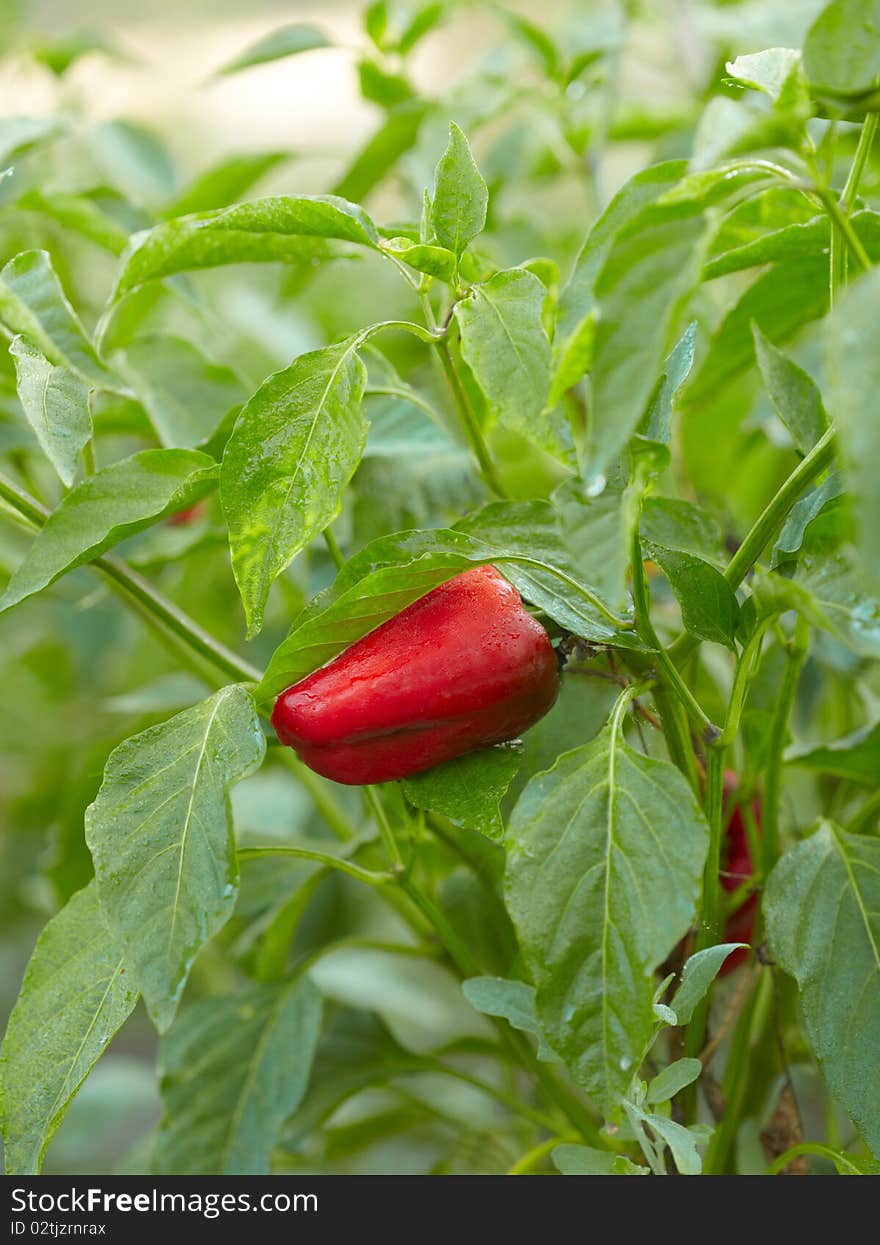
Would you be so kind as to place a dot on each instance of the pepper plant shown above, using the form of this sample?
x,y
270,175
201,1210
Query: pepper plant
x,y
624,350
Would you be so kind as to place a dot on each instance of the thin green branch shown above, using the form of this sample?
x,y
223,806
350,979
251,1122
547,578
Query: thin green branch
x,y
844,225
516,1105
469,421
333,549
645,628
743,675
866,140
767,526
377,808
141,590
369,876
796,652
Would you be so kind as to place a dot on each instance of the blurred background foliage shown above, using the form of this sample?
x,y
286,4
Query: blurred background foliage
x,y
117,117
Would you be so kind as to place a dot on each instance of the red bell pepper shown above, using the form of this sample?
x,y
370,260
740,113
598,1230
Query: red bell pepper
x,y
461,668
737,867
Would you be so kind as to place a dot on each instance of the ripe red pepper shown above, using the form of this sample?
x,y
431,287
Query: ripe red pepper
x,y
737,867
462,668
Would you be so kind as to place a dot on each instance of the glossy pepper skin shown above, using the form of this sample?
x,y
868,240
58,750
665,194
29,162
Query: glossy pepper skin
x,y
737,867
462,668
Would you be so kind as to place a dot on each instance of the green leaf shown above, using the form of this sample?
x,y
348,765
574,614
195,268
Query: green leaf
x,y
782,300
458,210
356,1052
699,972
673,1079
56,404
573,1160
185,395
232,1070
393,571
106,508
382,88
33,303
605,853
675,372
681,525
709,608
160,834
855,757
376,22
19,135
681,1142
504,343
285,41
646,187
838,599
223,183
257,232
794,394
468,790
135,160
436,261
498,996
382,152
842,48
822,907
597,536
423,21
826,497
74,997
852,365
513,1001
791,241
768,71
79,214
578,301
649,274
294,448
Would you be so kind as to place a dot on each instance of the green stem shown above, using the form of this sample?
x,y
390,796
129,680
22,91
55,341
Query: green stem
x,y
403,326
812,1147
736,1075
467,966
142,591
677,735
333,547
766,526
405,395
378,810
456,948
774,514
177,621
844,225
513,1104
796,652
533,1158
321,795
866,139
470,423
745,669
645,629
369,876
